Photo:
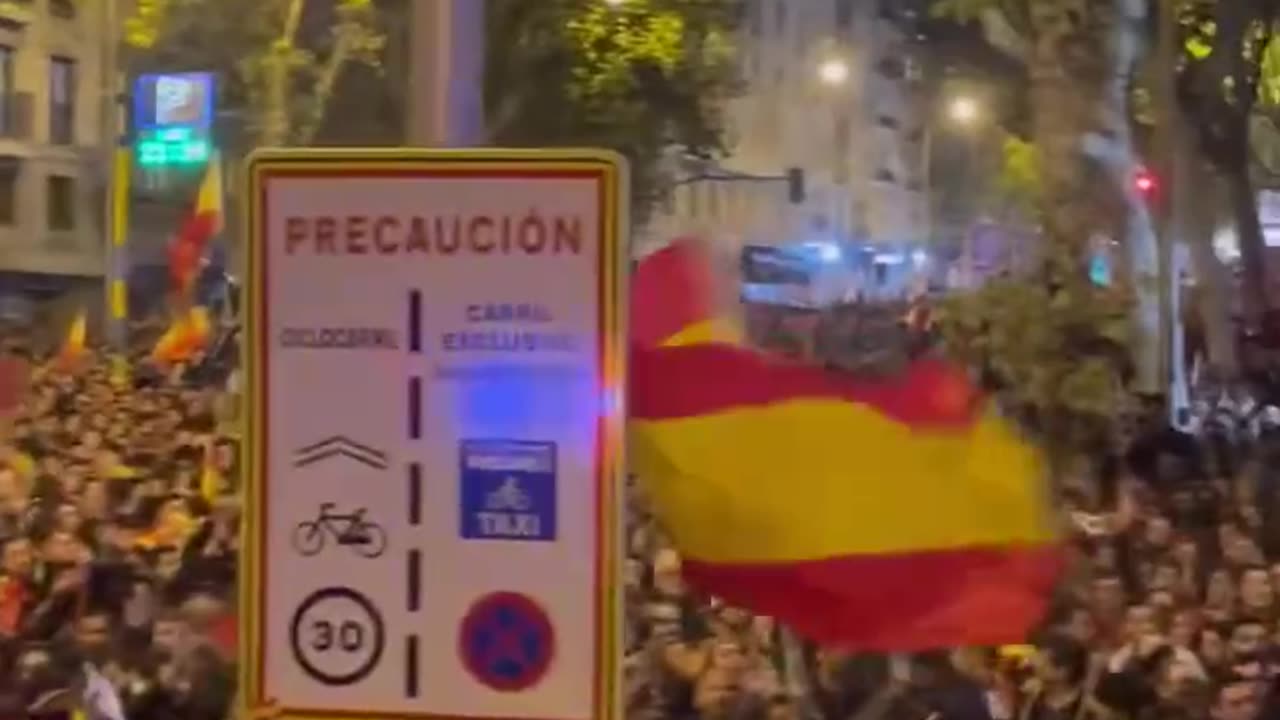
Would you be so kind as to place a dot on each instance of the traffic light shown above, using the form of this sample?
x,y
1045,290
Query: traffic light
x,y
1144,181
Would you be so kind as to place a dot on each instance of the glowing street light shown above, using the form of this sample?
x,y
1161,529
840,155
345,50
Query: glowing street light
x,y
964,110
833,71
615,3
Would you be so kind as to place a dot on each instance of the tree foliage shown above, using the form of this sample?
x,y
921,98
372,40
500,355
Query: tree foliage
x,y
1057,346
1223,75
646,78
309,42
1018,186
1054,345
1269,84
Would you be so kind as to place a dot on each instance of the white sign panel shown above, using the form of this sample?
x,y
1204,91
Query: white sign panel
x,y
435,369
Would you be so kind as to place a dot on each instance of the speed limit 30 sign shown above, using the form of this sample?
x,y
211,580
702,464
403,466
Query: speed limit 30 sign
x,y
337,636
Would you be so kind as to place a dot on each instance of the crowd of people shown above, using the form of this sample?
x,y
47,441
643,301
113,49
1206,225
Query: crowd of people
x,y
1170,609
118,541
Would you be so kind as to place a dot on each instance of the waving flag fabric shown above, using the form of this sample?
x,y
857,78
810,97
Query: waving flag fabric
x,y
73,346
677,301
891,515
186,250
186,335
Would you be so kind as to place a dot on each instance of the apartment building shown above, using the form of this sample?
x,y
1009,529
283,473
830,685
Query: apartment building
x,y
831,87
51,152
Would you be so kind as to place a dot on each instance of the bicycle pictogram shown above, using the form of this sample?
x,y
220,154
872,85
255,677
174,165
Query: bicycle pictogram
x,y
508,496
352,530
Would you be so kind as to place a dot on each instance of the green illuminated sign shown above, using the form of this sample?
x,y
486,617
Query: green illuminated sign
x,y
172,146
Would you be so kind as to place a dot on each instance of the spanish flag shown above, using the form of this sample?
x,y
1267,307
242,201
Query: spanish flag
x,y
186,335
74,344
892,515
679,300
186,250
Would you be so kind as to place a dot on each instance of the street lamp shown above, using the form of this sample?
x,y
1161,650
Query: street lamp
x,y
833,71
615,3
964,110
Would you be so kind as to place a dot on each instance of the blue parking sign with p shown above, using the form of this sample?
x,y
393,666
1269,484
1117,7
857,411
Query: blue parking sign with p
x,y
508,490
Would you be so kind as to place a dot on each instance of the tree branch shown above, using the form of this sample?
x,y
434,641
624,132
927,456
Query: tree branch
x,y
325,84
503,116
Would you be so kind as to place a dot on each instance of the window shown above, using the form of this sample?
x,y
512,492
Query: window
x,y
62,8
61,200
841,159
62,101
844,14
8,99
755,19
6,69
8,194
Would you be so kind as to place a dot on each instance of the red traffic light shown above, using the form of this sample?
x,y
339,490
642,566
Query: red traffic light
x,y
1144,181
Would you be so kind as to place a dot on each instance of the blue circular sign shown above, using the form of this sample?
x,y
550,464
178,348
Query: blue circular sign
x,y
506,642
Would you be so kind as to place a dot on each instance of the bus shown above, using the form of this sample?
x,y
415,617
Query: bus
x,y
795,276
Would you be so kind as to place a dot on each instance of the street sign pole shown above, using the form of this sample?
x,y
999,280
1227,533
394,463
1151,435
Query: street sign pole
x,y
446,98
116,174
435,373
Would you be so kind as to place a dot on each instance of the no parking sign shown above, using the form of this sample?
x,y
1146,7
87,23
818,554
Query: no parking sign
x,y
507,642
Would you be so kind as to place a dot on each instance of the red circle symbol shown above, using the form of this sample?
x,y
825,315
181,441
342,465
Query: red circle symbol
x,y
506,642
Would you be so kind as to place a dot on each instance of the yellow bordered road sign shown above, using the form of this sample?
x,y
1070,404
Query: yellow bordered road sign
x,y
435,368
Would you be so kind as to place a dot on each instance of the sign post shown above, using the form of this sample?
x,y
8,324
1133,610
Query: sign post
x,y
435,369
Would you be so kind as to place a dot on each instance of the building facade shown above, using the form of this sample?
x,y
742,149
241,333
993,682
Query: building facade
x,y
52,157
831,87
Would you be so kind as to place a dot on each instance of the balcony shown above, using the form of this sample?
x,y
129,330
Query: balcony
x,y
16,116
17,12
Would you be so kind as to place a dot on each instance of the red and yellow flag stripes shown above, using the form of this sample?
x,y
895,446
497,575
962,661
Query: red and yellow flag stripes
x,y
884,514
677,301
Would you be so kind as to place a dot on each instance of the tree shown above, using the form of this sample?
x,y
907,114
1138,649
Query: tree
x,y
1017,186
1061,347
981,167
645,77
1221,82
280,60
1056,349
